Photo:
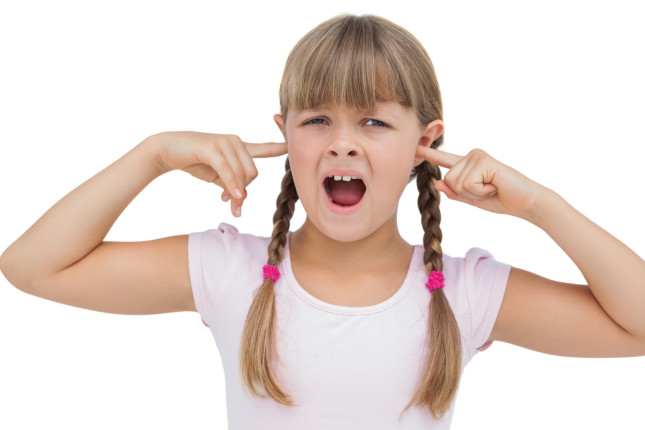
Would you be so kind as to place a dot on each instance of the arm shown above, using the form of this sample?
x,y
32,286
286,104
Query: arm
x,y
605,317
62,257
614,273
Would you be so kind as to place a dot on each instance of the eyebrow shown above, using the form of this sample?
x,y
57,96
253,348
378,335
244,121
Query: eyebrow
x,y
362,111
329,107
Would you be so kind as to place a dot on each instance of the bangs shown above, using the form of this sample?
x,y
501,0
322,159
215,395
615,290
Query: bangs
x,y
348,62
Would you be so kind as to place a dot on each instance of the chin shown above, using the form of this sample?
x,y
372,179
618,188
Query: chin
x,y
346,231
359,224
348,236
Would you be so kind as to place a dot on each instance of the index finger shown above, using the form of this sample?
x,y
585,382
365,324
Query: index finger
x,y
435,156
265,150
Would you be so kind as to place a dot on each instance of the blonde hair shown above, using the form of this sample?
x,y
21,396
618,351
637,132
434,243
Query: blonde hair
x,y
356,62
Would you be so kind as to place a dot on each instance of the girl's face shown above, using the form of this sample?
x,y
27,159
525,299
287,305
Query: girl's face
x,y
351,166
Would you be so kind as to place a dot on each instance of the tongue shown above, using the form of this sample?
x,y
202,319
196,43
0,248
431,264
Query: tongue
x,y
346,193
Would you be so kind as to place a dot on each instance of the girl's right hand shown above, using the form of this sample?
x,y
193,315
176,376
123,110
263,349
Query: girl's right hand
x,y
64,256
224,160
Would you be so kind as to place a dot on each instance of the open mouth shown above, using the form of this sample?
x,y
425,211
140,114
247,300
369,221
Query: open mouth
x,y
344,190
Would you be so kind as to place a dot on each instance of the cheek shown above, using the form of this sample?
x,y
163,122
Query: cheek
x,y
397,169
303,169
409,153
395,173
399,159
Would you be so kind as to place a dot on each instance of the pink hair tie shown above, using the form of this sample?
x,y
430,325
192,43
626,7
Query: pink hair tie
x,y
435,280
271,272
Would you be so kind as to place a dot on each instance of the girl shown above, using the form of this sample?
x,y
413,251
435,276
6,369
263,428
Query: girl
x,y
344,325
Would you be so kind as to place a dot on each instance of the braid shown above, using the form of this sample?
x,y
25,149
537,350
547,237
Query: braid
x,y
285,205
441,376
428,204
258,339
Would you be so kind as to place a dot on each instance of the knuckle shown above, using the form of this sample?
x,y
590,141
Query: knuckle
x,y
224,169
478,153
221,141
472,190
253,172
449,178
232,185
457,187
239,174
215,151
234,139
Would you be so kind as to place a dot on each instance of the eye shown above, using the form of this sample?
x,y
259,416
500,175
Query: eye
x,y
375,122
316,121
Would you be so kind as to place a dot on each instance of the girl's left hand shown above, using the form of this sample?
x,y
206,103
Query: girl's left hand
x,y
480,180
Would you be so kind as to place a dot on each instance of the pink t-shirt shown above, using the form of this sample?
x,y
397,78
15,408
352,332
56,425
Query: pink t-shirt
x,y
345,367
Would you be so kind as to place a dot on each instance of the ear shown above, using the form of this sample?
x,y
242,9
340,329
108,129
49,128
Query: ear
x,y
279,120
429,134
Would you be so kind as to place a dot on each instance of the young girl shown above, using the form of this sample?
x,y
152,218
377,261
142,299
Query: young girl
x,y
344,324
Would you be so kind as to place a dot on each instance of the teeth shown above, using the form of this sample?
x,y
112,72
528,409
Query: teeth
x,y
344,178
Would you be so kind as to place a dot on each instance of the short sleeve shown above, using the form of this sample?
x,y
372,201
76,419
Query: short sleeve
x,y
225,268
482,282
209,258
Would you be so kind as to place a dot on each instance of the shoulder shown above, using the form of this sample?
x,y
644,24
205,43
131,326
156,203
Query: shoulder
x,y
225,267
475,285
470,278
224,254
476,267
226,243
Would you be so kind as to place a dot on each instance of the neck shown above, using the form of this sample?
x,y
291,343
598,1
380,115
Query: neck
x,y
311,247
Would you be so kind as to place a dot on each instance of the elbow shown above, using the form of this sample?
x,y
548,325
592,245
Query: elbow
x,y
11,270
6,266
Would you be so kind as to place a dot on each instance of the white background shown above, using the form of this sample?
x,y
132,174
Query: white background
x,y
554,89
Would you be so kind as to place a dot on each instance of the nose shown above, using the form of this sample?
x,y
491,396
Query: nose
x,y
344,144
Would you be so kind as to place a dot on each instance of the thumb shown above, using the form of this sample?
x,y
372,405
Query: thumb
x,y
444,188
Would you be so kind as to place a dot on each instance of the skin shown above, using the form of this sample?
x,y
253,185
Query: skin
x,y
379,146
601,319
364,248
64,258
